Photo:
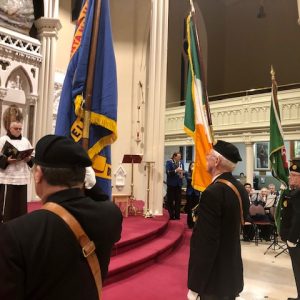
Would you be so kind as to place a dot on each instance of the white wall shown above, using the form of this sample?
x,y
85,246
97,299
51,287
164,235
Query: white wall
x,y
65,36
130,25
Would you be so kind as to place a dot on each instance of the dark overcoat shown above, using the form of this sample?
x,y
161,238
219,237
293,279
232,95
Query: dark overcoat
x,y
215,265
40,257
290,222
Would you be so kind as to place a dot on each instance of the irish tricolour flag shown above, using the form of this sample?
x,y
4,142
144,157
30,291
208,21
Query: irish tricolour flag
x,y
195,120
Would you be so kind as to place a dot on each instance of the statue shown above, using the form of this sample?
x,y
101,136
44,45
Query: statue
x,y
17,15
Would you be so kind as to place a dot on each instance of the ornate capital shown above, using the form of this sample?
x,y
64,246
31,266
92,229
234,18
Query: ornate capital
x,y
32,99
47,27
3,93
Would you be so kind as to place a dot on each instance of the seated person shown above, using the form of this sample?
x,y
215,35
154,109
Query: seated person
x,y
261,197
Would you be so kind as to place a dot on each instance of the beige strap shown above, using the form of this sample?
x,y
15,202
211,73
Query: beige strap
x,y
228,183
88,246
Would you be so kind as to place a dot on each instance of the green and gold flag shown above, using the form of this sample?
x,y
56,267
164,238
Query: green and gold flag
x,y
278,160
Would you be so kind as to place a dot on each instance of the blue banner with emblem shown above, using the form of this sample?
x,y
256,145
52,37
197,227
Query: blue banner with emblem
x,y
103,128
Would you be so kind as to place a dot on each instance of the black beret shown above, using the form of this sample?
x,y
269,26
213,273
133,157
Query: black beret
x,y
227,150
60,152
295,165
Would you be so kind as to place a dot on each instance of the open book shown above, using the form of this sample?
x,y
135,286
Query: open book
x,y
10,150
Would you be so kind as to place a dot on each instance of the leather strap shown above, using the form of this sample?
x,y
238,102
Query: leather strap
x,y
228,183
88,246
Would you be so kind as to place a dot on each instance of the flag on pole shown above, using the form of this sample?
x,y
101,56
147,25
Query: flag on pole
x,y
103,128
195,119
278,160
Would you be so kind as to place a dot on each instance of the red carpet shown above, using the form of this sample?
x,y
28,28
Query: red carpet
x,y
166,279
143,264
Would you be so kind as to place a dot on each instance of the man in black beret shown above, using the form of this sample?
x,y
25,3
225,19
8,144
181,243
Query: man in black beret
x,y
290,223
40,257
215,264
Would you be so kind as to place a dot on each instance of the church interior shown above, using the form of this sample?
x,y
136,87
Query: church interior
x,y
240,41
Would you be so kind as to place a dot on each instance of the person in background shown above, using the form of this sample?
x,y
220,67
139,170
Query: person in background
x,y
272,196
248,228
40,257
175,173
192,195
215,269
290,223
242,179
14,174
255,182
261,197
249,190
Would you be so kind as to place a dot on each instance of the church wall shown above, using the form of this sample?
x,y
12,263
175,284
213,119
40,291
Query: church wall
x,y
253,44
65,36
130,25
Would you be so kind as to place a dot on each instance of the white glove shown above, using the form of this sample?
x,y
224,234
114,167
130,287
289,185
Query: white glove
x,y
90,178
291,245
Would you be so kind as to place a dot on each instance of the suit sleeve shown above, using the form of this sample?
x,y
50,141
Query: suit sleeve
x,y
11,270
170,168
294,233
205,240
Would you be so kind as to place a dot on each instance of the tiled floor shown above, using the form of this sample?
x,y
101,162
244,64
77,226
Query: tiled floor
x,y
266,277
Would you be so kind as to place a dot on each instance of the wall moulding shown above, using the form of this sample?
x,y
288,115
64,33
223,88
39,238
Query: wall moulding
x,y
236,117
18,46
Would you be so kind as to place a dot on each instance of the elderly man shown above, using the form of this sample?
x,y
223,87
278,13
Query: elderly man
x,y
215,265
290,226
40,257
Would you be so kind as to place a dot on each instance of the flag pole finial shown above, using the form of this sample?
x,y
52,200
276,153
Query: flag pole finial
x,y
192,6
272,72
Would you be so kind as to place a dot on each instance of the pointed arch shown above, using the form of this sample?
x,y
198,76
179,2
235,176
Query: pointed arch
x,y
19,79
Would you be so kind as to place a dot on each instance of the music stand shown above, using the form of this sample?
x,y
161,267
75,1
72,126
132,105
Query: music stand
x,y
132,159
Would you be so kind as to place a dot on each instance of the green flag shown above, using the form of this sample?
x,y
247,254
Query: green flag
x,y
279,164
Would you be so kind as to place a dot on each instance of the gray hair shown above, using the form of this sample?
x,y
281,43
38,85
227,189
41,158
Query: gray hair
x,y
225,164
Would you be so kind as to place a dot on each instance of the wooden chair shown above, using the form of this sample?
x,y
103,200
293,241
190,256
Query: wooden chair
x,y
258,215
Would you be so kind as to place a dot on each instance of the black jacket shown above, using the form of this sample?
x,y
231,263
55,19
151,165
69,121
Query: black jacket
x,y
215,265
40,258
290,222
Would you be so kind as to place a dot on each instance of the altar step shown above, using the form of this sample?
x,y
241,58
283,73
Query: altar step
x,y
143,248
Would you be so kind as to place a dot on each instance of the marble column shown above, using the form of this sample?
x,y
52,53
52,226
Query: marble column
x,y
47,27
249,162
156,102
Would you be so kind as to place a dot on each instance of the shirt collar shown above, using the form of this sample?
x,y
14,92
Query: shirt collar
x,y
65,195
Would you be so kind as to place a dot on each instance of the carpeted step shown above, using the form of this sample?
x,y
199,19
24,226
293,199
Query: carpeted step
x,y
165,279
130,262
138,230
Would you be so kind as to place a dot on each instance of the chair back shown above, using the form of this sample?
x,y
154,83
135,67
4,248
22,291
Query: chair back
x,y
256,210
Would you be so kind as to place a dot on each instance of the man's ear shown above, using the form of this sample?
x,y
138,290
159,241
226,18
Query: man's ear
x,y
38,174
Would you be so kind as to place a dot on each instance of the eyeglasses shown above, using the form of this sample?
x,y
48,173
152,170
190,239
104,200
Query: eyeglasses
x,y
16,128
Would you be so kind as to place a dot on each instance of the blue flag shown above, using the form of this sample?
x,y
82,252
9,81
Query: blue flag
x,y
103,129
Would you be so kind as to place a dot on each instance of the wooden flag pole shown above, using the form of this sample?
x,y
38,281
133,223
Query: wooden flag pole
x,y
91,75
